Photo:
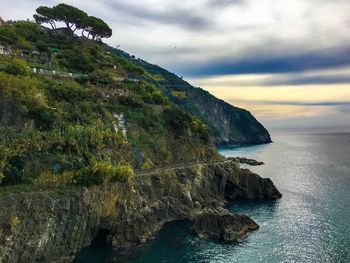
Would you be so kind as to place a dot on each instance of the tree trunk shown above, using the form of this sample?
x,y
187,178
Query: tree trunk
x,y
69,26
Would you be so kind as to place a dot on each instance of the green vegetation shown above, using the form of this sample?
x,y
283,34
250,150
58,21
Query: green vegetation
x,y
227,124
102,172
14,66
178,94
89,116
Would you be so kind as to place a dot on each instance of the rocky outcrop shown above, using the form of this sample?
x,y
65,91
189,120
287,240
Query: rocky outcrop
x,y
54,225
220,225
245,161
10,115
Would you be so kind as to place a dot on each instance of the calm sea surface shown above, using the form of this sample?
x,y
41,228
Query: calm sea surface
x,y
311,223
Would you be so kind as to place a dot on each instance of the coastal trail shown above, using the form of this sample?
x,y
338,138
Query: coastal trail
x,y
175,167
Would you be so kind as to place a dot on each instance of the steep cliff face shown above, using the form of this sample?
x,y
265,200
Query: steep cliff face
x,y
229,125
54,226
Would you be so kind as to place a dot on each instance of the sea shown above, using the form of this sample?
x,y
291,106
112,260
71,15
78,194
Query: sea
x,y
310,223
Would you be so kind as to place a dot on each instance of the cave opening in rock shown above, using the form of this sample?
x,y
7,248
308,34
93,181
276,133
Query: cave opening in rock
x,y
231,192
98,251
101,237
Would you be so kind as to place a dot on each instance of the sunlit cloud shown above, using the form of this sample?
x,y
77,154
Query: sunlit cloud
x,y
282,103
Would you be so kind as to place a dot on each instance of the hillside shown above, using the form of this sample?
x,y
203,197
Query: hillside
x,y
70,114
229,125
76,107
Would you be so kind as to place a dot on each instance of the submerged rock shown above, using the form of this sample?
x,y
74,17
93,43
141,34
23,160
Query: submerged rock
x,y
220,225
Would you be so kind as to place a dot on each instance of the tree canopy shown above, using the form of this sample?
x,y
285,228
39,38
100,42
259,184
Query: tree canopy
x,y
74,19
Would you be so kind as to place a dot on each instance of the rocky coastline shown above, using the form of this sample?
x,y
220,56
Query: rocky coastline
x,y
53,226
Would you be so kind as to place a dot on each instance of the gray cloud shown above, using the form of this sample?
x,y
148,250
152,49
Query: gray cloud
x,y
225,3
221,36
284,63
176,16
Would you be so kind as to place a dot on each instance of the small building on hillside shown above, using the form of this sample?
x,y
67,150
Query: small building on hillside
x,y
5,50
2,21
62,32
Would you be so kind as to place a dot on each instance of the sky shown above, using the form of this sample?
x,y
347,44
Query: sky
x,y
286,61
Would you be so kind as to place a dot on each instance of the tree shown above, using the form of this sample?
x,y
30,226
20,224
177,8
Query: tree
x,y
74,19
45,15
97,28
69,15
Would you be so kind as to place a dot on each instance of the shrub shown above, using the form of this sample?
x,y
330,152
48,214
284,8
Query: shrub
x,y
46,116
17,67
80,141
52,180
24,110
176,118
78,60
134,69
101,77
23,89
69,91
122,173
85,177
147,165
200,128
13,171
99,172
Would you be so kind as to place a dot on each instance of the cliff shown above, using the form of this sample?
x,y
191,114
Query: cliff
x,y
229,125
55,225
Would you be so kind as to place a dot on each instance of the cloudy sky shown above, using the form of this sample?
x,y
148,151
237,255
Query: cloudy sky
x,y
287,61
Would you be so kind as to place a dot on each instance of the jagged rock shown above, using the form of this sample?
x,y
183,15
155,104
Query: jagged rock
x,y
220,225
249,185
245,161
54,225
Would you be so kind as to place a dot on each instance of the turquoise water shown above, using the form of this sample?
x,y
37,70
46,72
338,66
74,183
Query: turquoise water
x,y
311,223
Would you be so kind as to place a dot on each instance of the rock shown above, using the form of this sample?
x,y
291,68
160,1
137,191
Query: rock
x,y
249,185
220,225
245,161
54,225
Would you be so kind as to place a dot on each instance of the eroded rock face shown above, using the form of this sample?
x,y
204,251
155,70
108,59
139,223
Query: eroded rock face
x,y
220,225
53,225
